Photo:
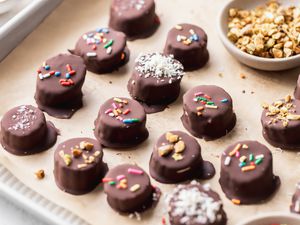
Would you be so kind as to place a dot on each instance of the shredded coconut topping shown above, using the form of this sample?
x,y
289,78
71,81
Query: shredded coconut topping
x,y
193,205
159,66
124,5
23,118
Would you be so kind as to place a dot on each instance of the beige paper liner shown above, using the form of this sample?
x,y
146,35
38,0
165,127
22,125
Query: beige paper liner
x,y
61,30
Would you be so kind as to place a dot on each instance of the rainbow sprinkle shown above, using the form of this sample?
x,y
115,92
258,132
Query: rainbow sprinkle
x,y
63,82
246,163
95,39
117,111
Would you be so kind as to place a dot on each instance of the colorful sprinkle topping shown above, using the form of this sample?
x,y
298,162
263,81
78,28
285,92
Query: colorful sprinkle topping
x,y
206,102
95,39
187,40
121,180
67,81
117,111
135,171
159,66
246,163
282,110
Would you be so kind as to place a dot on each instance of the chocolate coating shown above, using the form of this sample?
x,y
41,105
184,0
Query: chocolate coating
x,y
208,112
188,44
59,94
295,206
179,163
25,131
78,170
117,129
129,192
135,18
103,50
254,181
297,89
281,123
194,204
155,81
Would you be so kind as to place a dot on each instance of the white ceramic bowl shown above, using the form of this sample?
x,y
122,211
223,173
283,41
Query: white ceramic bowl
x,y
273,218
245,58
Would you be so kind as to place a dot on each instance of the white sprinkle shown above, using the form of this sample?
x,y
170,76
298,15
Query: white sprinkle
x,y
259,156
178,38
159,66
211,106
109,50
46,75
192,31
193,206
41,76
178,27
91,54
227,161
206,187
23,119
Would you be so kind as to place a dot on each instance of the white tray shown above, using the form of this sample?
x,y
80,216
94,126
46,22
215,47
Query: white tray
x,y
17,28
15,191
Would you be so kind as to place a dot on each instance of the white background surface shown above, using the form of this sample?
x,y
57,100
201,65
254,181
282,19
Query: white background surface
x,y
13,215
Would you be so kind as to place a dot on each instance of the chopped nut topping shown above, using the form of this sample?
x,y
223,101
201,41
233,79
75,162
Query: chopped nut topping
x,y
86,145
89,146
84,156
177,156
179,147
165,149
40,174
283,110
61,153
97,153
76,152
68,159
79,166
172,138
270,31
90,160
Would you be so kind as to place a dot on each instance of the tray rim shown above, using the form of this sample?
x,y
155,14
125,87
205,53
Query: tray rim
x,y
14,31
12,189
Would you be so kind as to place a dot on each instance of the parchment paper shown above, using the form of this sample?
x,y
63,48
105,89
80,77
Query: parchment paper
x,y
62,29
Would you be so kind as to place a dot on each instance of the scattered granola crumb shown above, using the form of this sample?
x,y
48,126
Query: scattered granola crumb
x,y
243,76
40,174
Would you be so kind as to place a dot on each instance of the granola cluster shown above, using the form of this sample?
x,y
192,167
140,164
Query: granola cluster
x,y
270,31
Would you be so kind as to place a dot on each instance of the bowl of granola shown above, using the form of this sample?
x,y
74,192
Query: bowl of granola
x,y
262,34
274,218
